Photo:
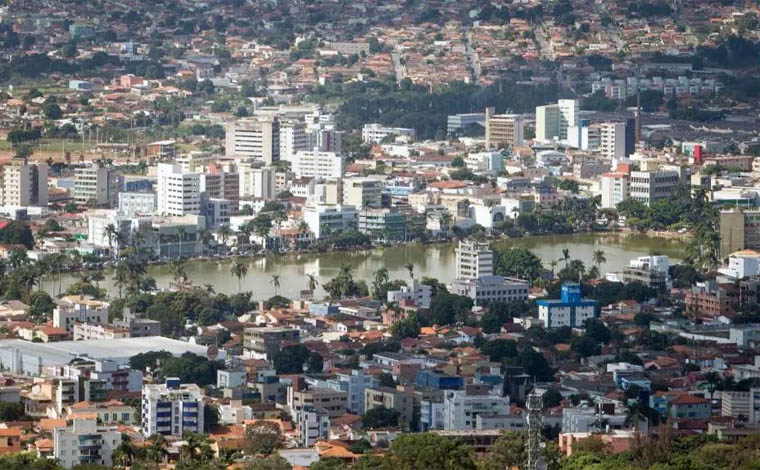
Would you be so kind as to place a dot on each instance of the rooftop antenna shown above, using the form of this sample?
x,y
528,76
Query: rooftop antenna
x,y
535,404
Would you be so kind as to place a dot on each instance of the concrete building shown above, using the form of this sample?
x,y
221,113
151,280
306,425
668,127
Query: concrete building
x,y
333,402
474,260
263,343
256,181
739,230
612,139
85,443
503,130
312,424
383,224
326,219
375,133
420,294
172,408
23,184
649,187
79,309
97,184
461,408
179,193
293,139
487,289
137,203
615,189
570,310
257,138
316,164
459,123
221,182
392,399
165,150
362,192
553,121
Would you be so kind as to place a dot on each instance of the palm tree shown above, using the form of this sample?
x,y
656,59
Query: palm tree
x,y
239,270
224,233
275,282
410,267
566,255
178,268
553,263
599,258
381,276
113,237
246,230
311,282
712,379
181,238
124,455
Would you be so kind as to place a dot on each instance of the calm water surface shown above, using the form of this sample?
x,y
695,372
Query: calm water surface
x,y
435,261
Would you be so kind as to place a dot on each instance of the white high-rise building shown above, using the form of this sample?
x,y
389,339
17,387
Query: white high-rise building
x,y
612,139
649,187
547,122
257,138
615,189
172,408
178,193
85,442
257,181
461,408
316,164
23,184
326,219
293,138
568,116
474,260
553,120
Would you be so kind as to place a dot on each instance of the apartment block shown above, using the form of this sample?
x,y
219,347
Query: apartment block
x,y
172,408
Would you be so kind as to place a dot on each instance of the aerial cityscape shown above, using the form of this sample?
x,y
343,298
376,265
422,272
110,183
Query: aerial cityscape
x,y
379,235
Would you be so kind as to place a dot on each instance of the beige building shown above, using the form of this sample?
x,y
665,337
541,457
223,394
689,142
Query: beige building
x,y
503,130
392,399
334,402
258,138
362,192
23,184
739,230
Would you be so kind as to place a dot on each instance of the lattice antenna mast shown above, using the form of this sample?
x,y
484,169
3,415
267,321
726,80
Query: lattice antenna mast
x,y
535,404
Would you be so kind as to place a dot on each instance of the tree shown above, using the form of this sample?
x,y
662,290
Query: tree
x,y
517,262
17,233
311,282
386,380
446,308
52,111
270,462
380,417
315,363
499,349
11,411
239,270
263,437
507,452
275,282
430,451
551,398
290,360
409,327
599,258
410,267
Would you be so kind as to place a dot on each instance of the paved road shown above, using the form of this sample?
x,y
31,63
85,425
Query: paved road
x,y
472,57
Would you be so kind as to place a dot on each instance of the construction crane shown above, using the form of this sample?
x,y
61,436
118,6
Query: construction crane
x,y
535,404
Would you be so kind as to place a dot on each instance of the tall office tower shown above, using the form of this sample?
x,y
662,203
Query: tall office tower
x,y
257,138
179,193
503,130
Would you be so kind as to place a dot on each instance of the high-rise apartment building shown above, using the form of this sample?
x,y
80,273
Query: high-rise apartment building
x,y
172,408
503,130
23,184
97,184
615,189
85,442
293,138
474,260
257,138
316,164
179,193
256,181
553,120
363,192
649,187
612,139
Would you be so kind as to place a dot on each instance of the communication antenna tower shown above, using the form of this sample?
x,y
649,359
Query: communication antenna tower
x,y
535,404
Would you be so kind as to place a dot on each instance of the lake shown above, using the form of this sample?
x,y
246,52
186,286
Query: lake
x,y
436,261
